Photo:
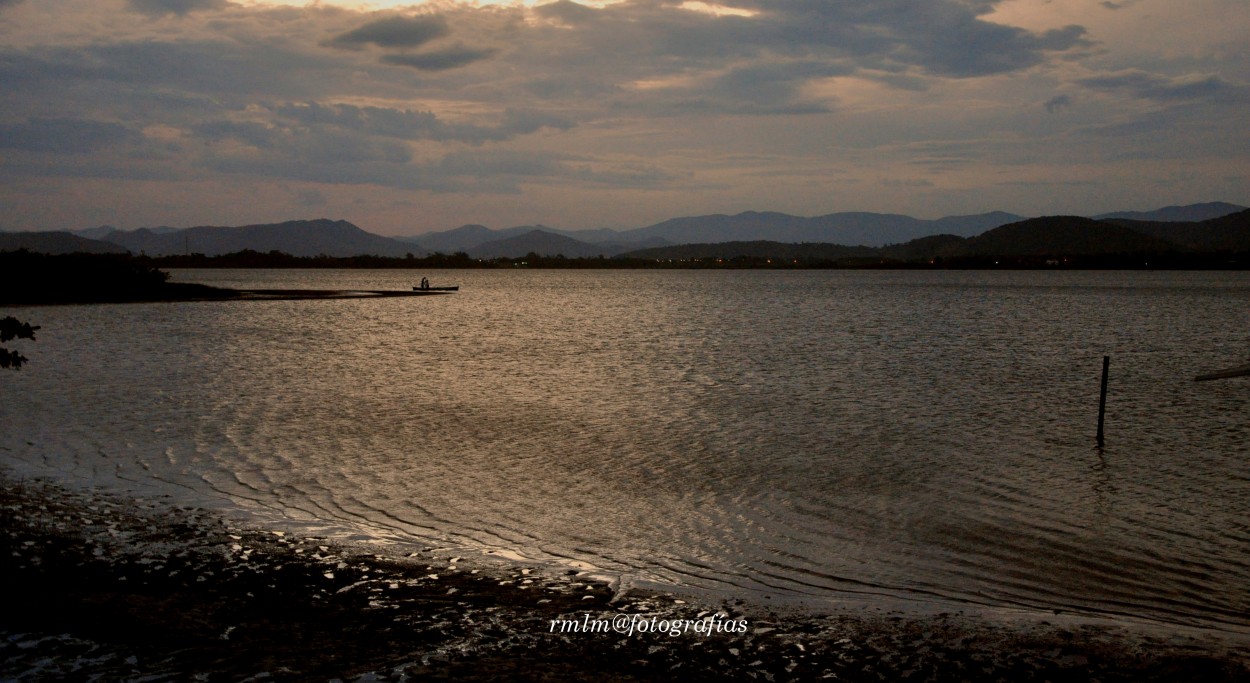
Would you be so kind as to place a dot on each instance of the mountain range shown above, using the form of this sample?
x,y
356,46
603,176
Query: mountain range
x,y
1048,236
57,243
297,238
846,228
1188,227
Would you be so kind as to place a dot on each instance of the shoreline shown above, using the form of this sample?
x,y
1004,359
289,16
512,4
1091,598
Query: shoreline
x,y
193,292
107,586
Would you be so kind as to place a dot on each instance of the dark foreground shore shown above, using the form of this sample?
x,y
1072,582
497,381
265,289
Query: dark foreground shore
x,y
104,588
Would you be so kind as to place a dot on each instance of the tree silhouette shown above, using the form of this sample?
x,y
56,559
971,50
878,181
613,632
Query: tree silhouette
x,y
11,328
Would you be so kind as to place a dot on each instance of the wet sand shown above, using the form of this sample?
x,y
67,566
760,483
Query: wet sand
x,y
108,588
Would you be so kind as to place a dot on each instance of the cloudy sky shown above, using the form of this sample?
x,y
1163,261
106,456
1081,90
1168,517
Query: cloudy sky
x,y
406,118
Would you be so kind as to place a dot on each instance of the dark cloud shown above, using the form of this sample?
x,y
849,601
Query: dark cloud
x,y
407,124
435,101
567,12
525,121
1058,103
1148,86
256,135
349,159
760,89
755,64
498,171
774,88
944,37
178,7
64,135
500,162
310,197
299,154
226,70
978,48
394,32
419,125
441,60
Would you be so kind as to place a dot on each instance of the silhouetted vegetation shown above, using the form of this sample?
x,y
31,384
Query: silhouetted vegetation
x,y
29,278
11,328
1048,242
932,253
249,258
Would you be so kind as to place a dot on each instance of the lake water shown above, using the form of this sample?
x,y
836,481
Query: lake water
x,y
802,435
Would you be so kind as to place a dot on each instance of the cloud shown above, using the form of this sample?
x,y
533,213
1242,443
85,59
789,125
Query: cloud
x,y
942,37
322,156
310,197
441,60
982,49
632,95
494,171
64,135
253,134
1058,103
776,88
178,7
1147,86
394,32
419,125
231,73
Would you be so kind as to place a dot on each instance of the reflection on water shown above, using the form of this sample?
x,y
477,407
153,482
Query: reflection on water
x,y
806,433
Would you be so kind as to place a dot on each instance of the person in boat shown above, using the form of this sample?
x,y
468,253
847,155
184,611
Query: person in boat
x,y
425,283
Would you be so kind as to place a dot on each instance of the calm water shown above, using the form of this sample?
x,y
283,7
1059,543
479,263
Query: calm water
x,y
801,435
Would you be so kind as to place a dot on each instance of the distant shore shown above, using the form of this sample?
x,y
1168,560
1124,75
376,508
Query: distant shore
x,y
29,279
196,292
116,588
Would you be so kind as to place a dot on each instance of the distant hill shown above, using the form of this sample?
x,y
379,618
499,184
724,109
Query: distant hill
x,y
539,242
1191,213
1226,233
102,231
1034,237
478,240
925,248
970,226
1055,235
463,238
1222,227
848,228
56,243
298,238
759,249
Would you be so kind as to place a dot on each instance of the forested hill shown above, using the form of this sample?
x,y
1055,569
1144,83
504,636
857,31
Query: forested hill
x,y
1051,237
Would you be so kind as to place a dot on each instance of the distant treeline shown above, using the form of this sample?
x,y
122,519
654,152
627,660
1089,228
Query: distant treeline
x,y
31,278
759,255
249,258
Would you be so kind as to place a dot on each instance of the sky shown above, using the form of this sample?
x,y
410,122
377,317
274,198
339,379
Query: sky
x,y
408,118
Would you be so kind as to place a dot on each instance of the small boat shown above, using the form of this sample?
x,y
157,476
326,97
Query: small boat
x,y
452,288
1240,371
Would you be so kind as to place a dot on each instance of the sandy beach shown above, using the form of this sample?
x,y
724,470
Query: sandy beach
x,y
106,588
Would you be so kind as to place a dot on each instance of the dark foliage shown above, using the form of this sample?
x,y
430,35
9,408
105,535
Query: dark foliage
x,y
11,328
249,258
29,278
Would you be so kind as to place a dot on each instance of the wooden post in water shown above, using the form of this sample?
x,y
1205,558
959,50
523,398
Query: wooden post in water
x,y
1102,397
